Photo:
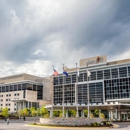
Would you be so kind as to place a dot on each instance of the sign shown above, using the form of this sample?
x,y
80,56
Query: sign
x,y
93,60
97,60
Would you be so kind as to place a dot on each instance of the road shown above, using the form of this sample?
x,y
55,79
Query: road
x,y
24,126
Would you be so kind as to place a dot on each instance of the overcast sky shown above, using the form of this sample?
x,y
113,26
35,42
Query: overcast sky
x,y
36,34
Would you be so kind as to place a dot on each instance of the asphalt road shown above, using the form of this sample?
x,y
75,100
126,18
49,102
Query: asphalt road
x,y
24,126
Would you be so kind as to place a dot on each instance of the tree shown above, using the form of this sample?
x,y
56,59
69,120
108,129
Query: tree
x,y
38,112
96,111
85,113
72,113
56,113
33,112
43,111
5,112
25,112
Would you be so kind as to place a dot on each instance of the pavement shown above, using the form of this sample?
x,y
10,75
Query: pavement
x,y
25,126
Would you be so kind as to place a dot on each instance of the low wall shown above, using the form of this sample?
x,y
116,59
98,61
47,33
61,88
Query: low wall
x,y
70,121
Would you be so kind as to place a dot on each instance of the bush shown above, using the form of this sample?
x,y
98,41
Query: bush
x,y
46,116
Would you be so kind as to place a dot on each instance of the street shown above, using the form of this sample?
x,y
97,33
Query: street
x,y
25,126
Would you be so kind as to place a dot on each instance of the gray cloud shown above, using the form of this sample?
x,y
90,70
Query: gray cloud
x,y
56,32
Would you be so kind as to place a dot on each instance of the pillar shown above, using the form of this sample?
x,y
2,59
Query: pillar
x,y
119,118
51,113
111,115
77,112
82,113
66,113
99,112
116,113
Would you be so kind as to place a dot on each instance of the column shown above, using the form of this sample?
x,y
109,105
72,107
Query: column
x,y
51,113
99,112
77,112
119,115
82,113
116,113
66,113
111,115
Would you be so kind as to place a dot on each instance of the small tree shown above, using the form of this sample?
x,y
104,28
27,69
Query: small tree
x,y
56,113
96,112
33,112
25,112
102,116
5,112
43,111
38,112
86,113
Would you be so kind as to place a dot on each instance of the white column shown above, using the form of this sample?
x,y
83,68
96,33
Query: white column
x,y
82,113
77,112
111,115
116,113
66,113
51,113
119,115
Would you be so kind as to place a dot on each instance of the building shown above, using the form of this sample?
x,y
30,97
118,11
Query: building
x,y
23,91
109,88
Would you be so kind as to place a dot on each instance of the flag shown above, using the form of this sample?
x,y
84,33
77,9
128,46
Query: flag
x,y
55,73
64,72
77,72
88,73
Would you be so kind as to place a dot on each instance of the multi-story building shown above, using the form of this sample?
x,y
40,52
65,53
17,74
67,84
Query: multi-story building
x,y
108,86
23,91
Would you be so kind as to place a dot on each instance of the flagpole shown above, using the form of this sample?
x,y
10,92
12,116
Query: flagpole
x,y
52,95
77,114
88,92
63,96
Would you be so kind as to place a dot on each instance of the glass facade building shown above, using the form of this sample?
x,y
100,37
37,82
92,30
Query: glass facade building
x,y
109,83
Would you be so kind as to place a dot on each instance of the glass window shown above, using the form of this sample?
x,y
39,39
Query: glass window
x,y
99,75
114,72
123,72
107,74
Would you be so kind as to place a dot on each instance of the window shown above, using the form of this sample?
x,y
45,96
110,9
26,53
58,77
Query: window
x,y
123,72
114,72
6,95
107,74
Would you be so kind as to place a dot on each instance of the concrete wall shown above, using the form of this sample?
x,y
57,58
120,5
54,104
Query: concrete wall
x,y
70,121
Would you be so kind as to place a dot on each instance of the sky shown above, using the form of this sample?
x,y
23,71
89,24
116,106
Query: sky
x,y
36,34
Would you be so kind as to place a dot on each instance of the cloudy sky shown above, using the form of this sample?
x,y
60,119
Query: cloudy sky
x,y
36,34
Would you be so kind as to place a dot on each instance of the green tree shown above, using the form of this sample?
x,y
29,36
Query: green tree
x,y
85,113
56,113
5,112
72,113
96,112
38,112
33,112
25,112
43,111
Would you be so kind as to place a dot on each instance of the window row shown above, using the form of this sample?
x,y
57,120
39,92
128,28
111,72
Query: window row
x,y
95,75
